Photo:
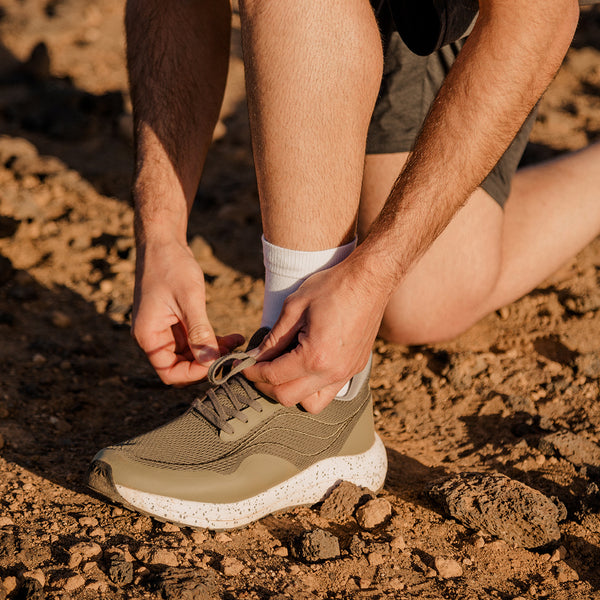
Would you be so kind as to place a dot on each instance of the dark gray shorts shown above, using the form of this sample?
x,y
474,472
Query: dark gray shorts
x,y
410,83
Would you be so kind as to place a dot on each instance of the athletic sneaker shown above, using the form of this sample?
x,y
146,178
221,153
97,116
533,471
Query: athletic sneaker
x,y
236,455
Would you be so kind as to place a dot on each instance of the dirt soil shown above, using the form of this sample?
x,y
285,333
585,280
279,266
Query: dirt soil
x,y
516,396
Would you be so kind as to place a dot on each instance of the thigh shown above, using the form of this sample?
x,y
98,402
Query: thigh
x,y
446,290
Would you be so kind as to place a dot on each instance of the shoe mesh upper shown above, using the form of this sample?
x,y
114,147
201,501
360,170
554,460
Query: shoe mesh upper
x,y
191,442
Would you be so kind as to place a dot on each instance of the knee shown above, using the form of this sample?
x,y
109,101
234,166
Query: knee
x,y
439,319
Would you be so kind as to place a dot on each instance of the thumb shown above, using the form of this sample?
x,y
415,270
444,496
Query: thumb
x,y
200,335
282,335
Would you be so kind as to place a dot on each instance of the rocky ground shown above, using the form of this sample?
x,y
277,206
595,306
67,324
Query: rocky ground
x,y
492,439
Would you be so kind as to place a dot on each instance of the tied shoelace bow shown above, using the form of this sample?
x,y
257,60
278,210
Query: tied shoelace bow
x,y
224,402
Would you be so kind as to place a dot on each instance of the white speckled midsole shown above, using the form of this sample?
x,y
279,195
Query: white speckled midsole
x,y
308,487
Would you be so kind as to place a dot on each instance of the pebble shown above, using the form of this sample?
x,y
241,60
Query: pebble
x,y
375,559
574,447
565,573
10,584
222,538
88,522
588,365
6,522
356,546
280,551
97,586
73,583
398,543
500,506
119,570
198,537
185,584
374,513
170,528
61,320
559,554
479,542
313,546
83,550
341,503
230,567
160,556
36,574
447,568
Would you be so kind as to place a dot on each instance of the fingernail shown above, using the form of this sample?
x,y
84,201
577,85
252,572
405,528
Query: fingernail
x,y
206,356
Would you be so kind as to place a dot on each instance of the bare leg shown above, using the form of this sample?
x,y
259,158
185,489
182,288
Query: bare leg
x,y
313,71
487,258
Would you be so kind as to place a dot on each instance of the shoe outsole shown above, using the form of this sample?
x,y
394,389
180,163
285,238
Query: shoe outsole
x,y
308,487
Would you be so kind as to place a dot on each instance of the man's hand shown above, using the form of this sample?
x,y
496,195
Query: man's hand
x,y
334,317
169,316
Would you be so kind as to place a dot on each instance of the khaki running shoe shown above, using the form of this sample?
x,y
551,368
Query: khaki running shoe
x,y
236,455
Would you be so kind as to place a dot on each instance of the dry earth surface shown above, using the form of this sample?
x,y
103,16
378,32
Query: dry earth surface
x,y
514,400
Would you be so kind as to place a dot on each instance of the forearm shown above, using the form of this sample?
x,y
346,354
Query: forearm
x,y
504,67
177,57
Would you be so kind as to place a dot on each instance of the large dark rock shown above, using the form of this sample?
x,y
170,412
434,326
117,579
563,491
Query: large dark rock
x,y
503,507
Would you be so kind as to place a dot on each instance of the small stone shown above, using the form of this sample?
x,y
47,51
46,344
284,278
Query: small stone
x,y
341,503
88,522
374,513
198,537
448,568
222,538
73,583
106,286
356,546
565,573
574,447
61,320
6,522
316,545
98,532
479,542
117,511
559,554
86,550
398,543
10,584
170,528
119,570
396,584
161,556
375,559
588,365
97,586
281,551
39,359
230,567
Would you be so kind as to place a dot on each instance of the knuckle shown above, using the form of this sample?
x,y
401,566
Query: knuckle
x,y
319,361
198,333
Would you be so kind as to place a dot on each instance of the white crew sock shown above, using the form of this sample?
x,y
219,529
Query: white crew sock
x,y
286,270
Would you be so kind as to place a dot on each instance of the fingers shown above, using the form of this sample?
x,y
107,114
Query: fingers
x,y
284,332
201,338
228,343
172,367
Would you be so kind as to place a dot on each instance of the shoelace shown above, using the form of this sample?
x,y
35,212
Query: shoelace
x,y
214,406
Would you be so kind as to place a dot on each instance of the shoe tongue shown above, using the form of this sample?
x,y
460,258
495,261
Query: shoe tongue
x,y
257,338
